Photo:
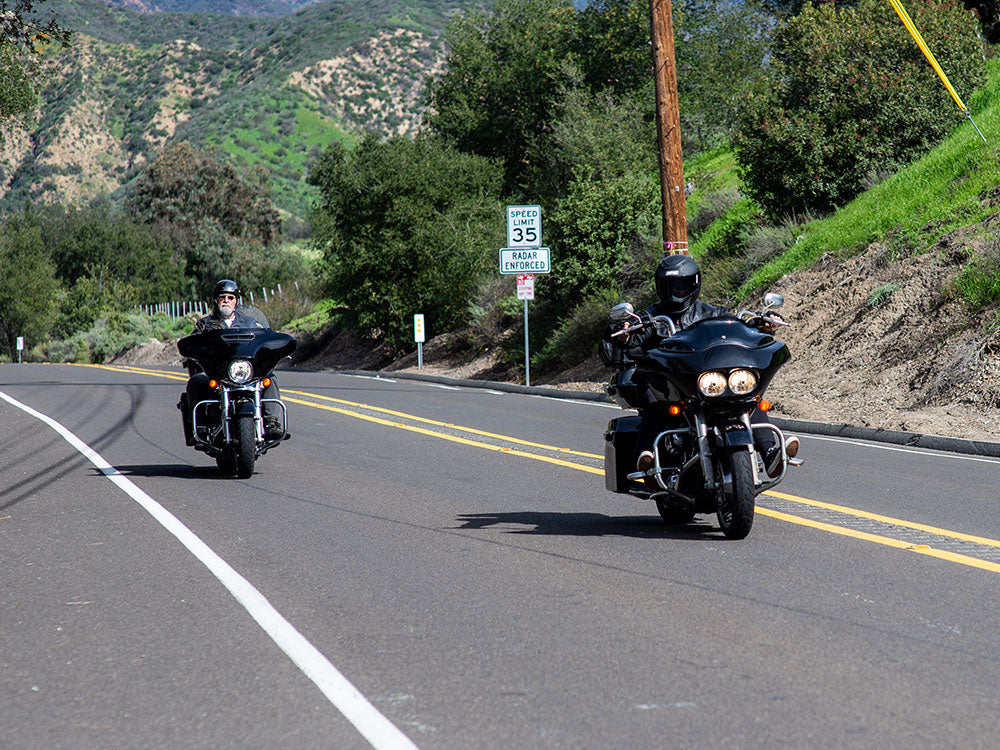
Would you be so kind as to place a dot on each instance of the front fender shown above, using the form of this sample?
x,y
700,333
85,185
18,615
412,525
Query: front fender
x,y
734,436
245,409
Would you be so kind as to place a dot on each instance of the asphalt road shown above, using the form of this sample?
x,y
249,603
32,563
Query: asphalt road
x,y
443,567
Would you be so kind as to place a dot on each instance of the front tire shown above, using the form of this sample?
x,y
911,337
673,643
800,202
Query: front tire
x,y
246,438
736,497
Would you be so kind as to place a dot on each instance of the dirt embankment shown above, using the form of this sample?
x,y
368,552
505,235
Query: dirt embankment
x,y
875,341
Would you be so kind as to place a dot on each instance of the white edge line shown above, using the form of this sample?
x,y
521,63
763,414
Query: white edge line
x,y
368,377
929,453
375,727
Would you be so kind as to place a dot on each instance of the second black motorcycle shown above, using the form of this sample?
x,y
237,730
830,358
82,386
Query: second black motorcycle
x,y
707,380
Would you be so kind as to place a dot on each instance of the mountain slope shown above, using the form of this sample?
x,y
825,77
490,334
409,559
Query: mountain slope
x,y
268,91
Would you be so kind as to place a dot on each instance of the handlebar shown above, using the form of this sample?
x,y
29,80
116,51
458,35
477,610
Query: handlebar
x,y
654,322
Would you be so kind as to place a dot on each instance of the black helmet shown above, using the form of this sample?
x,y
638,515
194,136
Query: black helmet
x,y
226,286
678,281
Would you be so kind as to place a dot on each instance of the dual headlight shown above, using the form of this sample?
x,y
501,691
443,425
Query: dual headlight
x,y
240,370
739,382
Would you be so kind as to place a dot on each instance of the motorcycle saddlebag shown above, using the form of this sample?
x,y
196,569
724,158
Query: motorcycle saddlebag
x,y
619,452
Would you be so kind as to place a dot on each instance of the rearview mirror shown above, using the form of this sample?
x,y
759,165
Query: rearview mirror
x,y
622,310
773,300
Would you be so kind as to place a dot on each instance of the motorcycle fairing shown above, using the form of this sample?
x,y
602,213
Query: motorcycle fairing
x,y
215,349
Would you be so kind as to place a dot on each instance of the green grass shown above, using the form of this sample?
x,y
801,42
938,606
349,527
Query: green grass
x,y
915,207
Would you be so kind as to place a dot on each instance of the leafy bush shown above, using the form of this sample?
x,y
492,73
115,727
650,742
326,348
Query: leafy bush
x,y
28,284
849,98
882,294
596,229
405,226
110,335
576,336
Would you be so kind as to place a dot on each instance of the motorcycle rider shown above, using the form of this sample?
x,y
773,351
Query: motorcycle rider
x,y
678,284
228,313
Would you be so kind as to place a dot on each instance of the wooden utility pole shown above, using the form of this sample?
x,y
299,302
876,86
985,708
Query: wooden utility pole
x,y
668,128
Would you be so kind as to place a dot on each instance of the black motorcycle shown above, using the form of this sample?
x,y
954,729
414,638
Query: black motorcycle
x,y
707,380
238,364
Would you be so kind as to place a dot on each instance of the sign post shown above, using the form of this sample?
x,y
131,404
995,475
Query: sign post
x,y
418,336
526,291
20,348
524,256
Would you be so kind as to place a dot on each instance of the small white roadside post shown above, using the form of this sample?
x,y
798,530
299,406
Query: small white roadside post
x,y
20,348
419,336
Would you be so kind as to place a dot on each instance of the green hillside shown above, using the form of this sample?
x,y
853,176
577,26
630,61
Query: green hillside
x,y
952,186
269,92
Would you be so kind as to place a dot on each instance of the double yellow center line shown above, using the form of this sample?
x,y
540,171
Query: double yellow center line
x,y
952,546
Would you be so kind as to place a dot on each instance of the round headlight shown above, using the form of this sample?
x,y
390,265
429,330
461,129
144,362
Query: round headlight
x,y
742,382
712,383
240,370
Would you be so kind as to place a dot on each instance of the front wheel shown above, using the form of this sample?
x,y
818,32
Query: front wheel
x,y
736,498
246,438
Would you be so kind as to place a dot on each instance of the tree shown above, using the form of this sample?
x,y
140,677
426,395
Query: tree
x,y
405,226
118,247
502,74
186,185
28,286
721,49
22,31
848,99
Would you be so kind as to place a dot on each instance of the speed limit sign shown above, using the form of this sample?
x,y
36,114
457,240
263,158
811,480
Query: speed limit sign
x,y
524,226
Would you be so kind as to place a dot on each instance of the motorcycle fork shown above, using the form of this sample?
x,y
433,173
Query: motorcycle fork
x,y
258,426
224,405
705,452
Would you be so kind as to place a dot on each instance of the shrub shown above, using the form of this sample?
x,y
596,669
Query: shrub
x,y
979,280
882,294
577,335
405,226
849,96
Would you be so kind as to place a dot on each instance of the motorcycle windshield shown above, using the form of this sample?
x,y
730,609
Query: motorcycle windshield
x,y
215,349
719,343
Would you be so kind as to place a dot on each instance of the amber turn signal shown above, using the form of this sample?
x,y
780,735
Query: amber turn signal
x,y
266,382
764,405
674,410
213,383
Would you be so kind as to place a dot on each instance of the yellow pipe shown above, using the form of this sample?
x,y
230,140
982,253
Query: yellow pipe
x,y
908,23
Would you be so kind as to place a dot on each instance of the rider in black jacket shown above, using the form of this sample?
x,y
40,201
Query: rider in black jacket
x,y
228,313
678,284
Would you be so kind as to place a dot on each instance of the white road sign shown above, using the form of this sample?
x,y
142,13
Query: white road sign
x,y
418,328
518,260
524,226
525,286
20,343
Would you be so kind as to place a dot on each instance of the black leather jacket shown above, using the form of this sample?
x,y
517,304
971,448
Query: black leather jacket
x,y
244,317
698,311
616,352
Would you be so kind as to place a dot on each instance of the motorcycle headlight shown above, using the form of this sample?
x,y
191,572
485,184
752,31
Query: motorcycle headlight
x,y
712,383
742,382
240,370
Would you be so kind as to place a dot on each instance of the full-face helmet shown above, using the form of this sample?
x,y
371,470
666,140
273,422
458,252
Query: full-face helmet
x,y
678,282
